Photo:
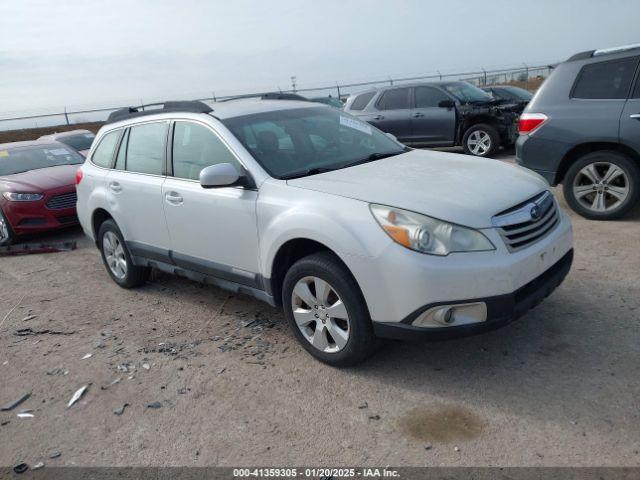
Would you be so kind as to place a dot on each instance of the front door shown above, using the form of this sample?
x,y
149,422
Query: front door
x,y
431,124
213,231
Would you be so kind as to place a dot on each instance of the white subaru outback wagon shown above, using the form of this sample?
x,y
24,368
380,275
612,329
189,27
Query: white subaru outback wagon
x,y
306,207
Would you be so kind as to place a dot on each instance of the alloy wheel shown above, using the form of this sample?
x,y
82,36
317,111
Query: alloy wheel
x,y
4,229
320,314
479,142
114,254
601,186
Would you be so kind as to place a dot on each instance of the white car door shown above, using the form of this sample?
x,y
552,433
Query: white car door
x,y
213,231
134,190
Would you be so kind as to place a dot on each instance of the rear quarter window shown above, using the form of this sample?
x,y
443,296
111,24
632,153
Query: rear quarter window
x,y
103,154
362,101
605,80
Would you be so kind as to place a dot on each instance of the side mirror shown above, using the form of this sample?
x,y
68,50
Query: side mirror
x,y
219,175
391,136
447,104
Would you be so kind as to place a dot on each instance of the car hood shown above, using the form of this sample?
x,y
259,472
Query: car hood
x,y
40,180
457,188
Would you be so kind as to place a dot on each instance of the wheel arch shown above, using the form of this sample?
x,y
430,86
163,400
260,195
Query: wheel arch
x,y
290,252
589,147
98,217
471,121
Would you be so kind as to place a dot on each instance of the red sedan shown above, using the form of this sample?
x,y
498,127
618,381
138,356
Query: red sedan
x,y
37,188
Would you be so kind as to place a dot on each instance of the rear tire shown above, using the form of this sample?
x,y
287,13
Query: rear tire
x,y
602,185
6,233
117,259
481,140
351,326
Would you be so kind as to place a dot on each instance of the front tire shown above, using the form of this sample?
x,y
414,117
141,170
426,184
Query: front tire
x,y
327,312
6,233
117,259
481,140
602,185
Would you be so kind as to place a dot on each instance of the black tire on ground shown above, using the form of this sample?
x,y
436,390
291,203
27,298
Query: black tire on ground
x,y
135,275
599,160
6,233
490,131
325,265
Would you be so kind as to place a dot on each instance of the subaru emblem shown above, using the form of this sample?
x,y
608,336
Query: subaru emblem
x,y
535,212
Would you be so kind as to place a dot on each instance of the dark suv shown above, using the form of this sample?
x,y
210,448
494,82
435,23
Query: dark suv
x,y
442,114
582,129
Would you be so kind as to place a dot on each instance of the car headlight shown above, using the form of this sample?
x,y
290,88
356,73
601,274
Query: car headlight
x,y
22,197
428,235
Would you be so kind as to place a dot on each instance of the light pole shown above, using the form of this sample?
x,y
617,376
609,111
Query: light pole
x,y
293,83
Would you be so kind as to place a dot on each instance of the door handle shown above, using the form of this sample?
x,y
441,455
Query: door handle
x,y
418,115
115,187
635,115
378,117
174,198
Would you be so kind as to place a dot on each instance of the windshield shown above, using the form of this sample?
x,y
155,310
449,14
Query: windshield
x,y
517,93
467,93
24,159
82,141
306,141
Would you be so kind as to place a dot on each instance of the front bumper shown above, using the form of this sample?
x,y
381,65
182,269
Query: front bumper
x,y
35,217
501,309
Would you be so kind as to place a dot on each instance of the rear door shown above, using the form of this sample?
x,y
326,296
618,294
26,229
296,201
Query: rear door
x,y
134,190
630,118
393,113
431,124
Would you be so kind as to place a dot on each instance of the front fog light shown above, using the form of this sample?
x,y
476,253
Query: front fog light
x,y
452,315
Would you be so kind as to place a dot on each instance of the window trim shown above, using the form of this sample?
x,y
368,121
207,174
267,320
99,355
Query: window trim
x,y
384,92
118,130
251,184
584,67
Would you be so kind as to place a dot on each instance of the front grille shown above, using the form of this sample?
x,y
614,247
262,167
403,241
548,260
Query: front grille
x,y
60,202
527,222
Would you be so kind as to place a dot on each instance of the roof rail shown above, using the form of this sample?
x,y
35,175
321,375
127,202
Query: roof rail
x,y
192,106
623,48
268,96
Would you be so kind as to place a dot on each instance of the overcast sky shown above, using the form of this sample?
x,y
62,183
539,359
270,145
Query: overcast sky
x,y
97,52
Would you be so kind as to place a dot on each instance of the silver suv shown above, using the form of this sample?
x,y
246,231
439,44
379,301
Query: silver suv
x,y
306,207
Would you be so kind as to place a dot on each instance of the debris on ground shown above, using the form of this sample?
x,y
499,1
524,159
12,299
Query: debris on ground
x,y
124,367
222,370
114,382
15,403
55,454
21,468
38,466
5,423
120,410
456,449
363,405
58,371
428,447
76,396
88,355
23,332
29,317
25,415
27,248
146,366
374,417
154,405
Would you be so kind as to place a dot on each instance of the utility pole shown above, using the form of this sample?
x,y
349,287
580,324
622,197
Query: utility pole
x,y
293,83
66,117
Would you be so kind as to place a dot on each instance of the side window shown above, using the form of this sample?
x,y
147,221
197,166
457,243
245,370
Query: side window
x,y
605,80
122,152
427,97
636,91
145,148
196,147
395,99
103,154
362,101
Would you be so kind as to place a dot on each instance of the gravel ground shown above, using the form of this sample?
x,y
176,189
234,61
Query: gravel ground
x,y
558,387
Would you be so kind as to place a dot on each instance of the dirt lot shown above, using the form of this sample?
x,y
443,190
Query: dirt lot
x,y
558,387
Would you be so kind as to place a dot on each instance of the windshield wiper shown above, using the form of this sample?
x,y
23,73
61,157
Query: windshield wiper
x,y
311,171
375,156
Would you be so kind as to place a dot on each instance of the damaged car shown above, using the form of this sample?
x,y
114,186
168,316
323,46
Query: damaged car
x,y
440,114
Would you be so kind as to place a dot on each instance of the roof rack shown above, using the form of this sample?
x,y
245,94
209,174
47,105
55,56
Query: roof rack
x,y
603,51
269,96
192,106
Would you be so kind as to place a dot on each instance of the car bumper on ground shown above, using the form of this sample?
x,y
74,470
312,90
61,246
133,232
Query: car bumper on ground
x,y
399,283
500,309
56,210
